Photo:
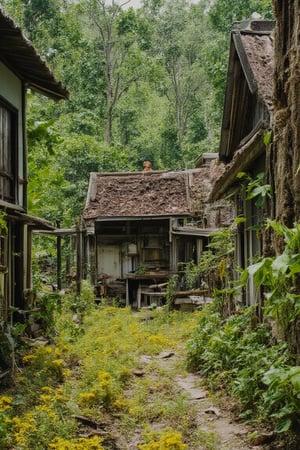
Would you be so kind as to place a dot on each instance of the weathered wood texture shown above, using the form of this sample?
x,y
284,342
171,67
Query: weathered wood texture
x,y
285,153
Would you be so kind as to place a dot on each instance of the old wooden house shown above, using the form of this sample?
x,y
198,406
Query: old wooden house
x,y
21,68
247,118
142,226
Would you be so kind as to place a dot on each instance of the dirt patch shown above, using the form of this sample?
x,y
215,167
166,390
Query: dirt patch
x,y
228,435
217,425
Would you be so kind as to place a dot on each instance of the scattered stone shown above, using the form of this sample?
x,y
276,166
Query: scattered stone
x,y
188,385
165,355
75,318
35,342
198,395
213,410
146,359
138,373
36,330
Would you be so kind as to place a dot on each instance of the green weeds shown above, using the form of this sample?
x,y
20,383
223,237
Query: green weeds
x,y
237,354
96,369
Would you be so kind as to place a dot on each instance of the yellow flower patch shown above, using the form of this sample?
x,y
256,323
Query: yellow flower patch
x,y
93,443
168,440
5,403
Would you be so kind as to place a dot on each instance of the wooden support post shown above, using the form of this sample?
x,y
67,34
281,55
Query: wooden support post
x,y
127,292
139,296
78,260
58,255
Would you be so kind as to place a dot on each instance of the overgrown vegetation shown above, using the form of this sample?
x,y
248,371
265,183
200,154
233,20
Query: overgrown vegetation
x,y
85,374
94,369
254,362
94,375
240,356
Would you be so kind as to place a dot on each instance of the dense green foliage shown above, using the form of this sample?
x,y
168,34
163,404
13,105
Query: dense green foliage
x,y
144,83
258,363
241,356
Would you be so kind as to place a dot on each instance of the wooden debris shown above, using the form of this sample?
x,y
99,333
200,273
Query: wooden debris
x,y
88,422
165,355
263,438
138,373
4,374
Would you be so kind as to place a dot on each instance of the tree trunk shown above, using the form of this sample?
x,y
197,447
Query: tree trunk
x,y
286,128
285,153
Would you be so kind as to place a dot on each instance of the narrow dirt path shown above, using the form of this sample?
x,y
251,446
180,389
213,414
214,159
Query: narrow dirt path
x,y
211,419
220,431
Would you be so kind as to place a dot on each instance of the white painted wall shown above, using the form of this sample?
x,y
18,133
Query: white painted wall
x,y
109,260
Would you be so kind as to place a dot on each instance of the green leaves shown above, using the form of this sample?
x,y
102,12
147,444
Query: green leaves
x,y
267,137
282,397
255,188
259,271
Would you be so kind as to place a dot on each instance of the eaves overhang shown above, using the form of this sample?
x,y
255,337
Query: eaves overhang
x,y
194,231
248,152
20,56
246,67
32,221
135,218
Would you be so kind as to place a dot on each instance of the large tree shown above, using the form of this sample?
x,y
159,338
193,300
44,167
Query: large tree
x,y
121,36
284,153
286,143
181,33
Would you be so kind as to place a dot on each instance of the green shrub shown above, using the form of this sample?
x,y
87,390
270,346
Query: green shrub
x,y
237,355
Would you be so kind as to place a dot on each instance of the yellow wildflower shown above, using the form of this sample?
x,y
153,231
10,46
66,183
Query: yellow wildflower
x,y
22,427
80,444
5,403
67,373
57,362
46,398
47,389
87,398
27,358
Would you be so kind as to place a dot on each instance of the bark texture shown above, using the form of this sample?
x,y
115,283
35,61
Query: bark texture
x,y
284,157
286,126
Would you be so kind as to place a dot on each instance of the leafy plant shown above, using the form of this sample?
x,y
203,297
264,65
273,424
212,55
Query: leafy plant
x,y
237,355
279,278
215,270
282,398
256,188
3,224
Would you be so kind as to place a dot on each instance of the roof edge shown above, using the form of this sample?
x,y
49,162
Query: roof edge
x,y
239,164
260,26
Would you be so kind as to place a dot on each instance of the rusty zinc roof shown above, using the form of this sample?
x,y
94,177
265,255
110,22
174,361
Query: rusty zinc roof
x,y
149,194
18,53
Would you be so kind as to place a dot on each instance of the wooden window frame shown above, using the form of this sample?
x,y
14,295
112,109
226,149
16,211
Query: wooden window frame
x,y
3,253
8,150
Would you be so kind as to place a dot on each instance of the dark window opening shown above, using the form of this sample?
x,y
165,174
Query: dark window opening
x,y
8,152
